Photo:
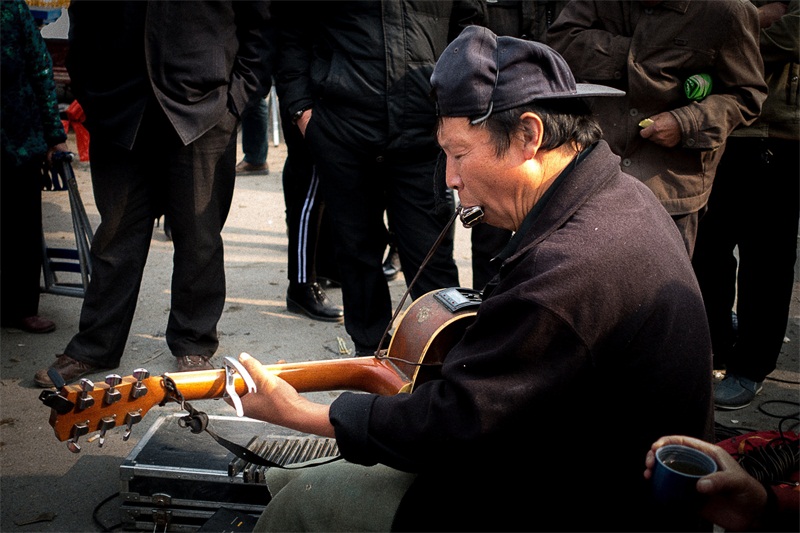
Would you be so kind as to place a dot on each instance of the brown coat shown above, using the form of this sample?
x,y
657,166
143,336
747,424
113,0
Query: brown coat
x,y
649,51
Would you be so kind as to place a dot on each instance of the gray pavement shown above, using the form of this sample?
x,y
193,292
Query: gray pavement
x,y
45,487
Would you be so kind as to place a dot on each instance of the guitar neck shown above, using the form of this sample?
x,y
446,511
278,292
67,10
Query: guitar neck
x,y
366,374
92,410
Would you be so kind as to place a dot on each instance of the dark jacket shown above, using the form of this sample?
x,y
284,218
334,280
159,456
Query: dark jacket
x,y
198,59
365,66
593,344
526,19
29,121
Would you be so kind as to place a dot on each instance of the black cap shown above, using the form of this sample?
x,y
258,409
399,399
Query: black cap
x,y
479,73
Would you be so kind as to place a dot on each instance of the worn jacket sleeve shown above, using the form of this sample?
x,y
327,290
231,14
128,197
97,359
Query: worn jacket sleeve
x,y
739,90
594,50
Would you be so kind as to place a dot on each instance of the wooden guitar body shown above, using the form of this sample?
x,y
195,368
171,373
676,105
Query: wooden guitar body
x,y
425,334
427,330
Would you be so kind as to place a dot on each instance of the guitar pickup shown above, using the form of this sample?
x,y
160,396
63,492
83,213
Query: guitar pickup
x,y
458,298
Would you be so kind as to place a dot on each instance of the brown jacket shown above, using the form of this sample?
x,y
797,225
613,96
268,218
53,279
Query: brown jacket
x,y
649,51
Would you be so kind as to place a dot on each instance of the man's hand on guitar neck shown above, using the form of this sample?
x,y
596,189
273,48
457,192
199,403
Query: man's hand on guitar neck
x,y
279,403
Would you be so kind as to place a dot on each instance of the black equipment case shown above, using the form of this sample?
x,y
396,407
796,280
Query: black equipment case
x,y
176,480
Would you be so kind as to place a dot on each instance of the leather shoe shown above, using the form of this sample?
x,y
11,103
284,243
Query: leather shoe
x,y
310,299
328,283
243,167
191,363
69,369
36,324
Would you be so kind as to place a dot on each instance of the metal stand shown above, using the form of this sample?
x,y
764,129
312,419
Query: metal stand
x,y
64,259
276,124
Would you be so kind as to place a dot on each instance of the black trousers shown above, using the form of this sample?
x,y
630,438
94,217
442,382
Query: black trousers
x,y
193,186
21,238
310,246
753,205
359,184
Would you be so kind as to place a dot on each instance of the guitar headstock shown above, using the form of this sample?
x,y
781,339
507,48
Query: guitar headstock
x,y
87,407
77,410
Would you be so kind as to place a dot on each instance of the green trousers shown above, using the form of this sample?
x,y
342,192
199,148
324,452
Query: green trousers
x,y
338,496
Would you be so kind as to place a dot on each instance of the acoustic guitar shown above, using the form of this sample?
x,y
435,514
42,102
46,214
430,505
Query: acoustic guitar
x,y
430,326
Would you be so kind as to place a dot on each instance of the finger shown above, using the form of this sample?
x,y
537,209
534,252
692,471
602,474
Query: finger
x,y
650,459
649,463
679,439
717,482
265,380
250,363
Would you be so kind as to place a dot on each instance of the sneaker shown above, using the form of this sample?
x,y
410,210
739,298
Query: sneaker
x,y
249,168
69,369
735,392
191,363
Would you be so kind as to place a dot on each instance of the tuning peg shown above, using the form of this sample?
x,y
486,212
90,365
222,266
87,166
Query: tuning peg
x,y
133,417
80,428
55,377
57,402
106,423
112,394
85,401
139,388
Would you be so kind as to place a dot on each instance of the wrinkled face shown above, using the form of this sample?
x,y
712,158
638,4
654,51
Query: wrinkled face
x,y
478,174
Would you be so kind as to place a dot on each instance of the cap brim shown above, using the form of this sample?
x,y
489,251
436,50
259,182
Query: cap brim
x,y
592,89
582,90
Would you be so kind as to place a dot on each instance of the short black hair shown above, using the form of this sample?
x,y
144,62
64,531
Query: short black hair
x,y
564,121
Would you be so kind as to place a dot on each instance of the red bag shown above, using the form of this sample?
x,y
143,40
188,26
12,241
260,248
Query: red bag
x,y
772,459
75,120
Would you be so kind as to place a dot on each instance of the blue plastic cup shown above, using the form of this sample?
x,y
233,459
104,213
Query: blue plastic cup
x,y
676,472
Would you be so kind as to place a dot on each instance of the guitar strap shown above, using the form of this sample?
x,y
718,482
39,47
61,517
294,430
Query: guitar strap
x,y
197,422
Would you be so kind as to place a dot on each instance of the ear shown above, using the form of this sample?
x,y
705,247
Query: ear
x,y
532,129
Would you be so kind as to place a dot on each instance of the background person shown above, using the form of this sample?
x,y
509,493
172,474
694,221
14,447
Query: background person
x,y
354,77
755,207
163,114
30,132
650,49
254,136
